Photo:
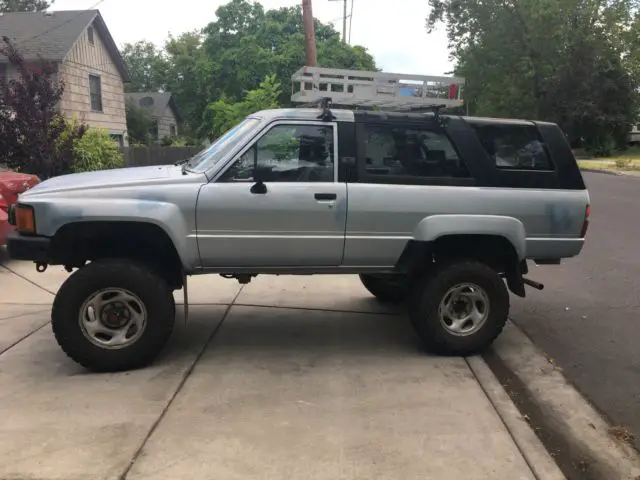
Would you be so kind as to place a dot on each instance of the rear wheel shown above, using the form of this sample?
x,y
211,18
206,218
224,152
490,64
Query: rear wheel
x,y
113,315
460,309
387,287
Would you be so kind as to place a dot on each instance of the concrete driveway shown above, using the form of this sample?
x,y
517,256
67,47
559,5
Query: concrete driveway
x,y
285,378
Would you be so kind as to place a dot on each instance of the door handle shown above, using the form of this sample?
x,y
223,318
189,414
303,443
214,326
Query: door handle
x,y
326,196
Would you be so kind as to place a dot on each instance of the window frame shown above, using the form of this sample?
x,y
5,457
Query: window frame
x,y
94,75
366,177
264,131
91,36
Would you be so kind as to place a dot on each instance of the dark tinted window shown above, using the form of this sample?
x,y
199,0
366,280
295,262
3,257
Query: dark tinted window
x,y
394,150
95,90
288,153
515,147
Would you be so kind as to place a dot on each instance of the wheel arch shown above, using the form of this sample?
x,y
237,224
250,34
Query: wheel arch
x,y
437,228
78,242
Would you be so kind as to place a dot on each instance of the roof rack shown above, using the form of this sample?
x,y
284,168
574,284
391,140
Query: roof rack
x,y
435,109
367,89
325,104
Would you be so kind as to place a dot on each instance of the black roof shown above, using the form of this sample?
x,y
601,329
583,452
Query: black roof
x,y
50,35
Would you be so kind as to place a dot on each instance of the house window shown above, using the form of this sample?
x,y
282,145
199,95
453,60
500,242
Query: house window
x,y
119,139
90,35
172,130
153,131
3,71
95,90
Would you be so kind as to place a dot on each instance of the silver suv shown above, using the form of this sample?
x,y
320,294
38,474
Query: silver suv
x,y
440,212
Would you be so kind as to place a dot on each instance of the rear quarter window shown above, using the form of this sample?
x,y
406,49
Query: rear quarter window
x,y
514,147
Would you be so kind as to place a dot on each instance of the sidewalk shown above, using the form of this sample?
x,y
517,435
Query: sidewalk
x,y
302,378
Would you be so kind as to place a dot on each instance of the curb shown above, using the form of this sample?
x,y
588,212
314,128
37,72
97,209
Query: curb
x,y
535,455
604,172
567,423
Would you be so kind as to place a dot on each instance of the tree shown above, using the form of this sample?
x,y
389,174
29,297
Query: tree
x,y
246,44
147,66
223,114
32,130
233,55
191,78
534,59
139,125
24,5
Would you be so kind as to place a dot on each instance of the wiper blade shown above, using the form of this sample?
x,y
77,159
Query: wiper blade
x,y
182,162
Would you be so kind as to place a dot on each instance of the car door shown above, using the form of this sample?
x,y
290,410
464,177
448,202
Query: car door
x,y
278,204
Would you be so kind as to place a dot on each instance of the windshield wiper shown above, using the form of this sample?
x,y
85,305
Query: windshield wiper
x,y
182,162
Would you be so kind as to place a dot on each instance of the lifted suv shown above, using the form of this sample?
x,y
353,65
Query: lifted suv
x,y
439,211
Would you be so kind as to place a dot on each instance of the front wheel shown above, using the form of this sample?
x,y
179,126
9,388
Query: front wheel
x,y
113,315
460,309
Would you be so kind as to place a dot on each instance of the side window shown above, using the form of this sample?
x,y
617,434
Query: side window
x,y
288,153
394,150
514,147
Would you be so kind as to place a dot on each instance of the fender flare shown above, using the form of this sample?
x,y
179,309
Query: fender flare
x,y
433,227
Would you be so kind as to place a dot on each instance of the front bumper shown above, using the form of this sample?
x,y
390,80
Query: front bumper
x,y
24,247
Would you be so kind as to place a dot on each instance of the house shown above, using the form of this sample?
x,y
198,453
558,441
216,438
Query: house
x,y
87,59
163,110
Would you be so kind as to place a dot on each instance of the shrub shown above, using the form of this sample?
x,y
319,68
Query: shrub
x,y
95,150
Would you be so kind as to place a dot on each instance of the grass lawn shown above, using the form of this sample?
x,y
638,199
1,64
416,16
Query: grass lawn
x,y
628,161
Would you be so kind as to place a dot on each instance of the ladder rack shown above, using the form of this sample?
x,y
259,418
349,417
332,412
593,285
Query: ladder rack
x,y
376,89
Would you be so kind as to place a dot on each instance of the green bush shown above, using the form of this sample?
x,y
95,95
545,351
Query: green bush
x,y
600,145
95,150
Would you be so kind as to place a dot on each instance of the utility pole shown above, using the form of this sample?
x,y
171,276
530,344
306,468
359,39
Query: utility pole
x,y
344,22
344,19
309,34
350,20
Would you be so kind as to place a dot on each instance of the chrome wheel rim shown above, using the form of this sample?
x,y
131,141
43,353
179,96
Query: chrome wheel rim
x,y
464,309
113,318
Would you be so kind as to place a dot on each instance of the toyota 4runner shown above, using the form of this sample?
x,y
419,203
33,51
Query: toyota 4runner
x,y
440,212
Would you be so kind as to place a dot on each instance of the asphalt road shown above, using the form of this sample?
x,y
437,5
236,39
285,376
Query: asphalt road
x,y
588,316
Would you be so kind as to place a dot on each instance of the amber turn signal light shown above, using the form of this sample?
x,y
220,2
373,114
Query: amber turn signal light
x,y
25,219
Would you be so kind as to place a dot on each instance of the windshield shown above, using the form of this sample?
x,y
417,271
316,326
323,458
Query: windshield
x,y
211,155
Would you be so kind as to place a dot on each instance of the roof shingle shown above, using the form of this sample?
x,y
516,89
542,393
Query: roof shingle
x,y
50,35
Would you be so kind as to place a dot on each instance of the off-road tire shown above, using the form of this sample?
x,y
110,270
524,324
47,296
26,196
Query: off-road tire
x,y
387,288
428,293
151,289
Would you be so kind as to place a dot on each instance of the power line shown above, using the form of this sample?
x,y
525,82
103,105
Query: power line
x,y
60,24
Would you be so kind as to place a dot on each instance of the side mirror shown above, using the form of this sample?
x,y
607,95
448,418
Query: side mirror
x,y
261,174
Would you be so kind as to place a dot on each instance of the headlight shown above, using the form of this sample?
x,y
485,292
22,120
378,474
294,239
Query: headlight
x,y
25,218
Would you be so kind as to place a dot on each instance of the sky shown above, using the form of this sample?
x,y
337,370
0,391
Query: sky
x,y
392,30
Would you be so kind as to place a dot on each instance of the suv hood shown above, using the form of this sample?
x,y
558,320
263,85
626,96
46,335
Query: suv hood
x,y
105,178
